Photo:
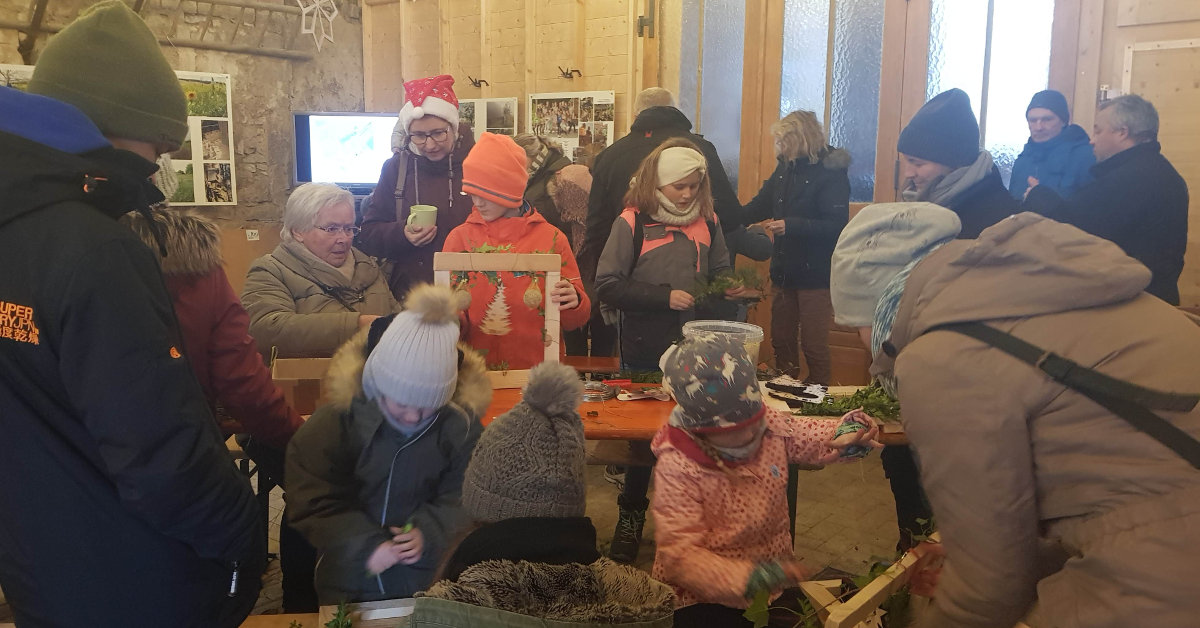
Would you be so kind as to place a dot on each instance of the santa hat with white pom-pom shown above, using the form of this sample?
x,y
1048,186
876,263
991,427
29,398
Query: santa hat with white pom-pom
x,y
432,96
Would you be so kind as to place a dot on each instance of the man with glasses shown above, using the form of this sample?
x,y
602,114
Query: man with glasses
x,y
428,147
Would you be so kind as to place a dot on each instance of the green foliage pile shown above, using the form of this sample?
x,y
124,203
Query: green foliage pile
x,y
872,399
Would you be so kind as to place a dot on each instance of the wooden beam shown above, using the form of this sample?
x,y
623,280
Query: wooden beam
x,y
902,80
444,38
1087,68
631,65
383,57
530,56
1064,47
652,49
485,51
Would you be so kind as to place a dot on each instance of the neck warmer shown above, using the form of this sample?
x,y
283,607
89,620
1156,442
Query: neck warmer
x,y
885,317
668,213
743,453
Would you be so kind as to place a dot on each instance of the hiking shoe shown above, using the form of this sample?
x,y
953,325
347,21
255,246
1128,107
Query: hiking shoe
x,y
627,537
615,475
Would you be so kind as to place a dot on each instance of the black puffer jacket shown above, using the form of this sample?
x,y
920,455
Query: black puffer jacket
x,y
119,502
813,200
1139,202
615,166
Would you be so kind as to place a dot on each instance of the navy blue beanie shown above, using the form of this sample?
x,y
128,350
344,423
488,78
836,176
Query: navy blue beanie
x,y
1052,100
944,131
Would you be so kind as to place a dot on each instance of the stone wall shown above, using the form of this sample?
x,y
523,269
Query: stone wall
x,y
265,90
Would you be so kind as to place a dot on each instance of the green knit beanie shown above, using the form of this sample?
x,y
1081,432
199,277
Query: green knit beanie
x,y
108,64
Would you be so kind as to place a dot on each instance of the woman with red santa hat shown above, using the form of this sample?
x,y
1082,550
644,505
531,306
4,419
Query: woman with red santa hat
x,y
428,146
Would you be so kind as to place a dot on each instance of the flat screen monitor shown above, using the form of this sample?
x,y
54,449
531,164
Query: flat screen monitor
x,y
343,148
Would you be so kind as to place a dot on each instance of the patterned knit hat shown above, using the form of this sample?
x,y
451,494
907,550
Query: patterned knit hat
x,y
109,65
873,248
495,170
433,96
529,461
713,381
416,360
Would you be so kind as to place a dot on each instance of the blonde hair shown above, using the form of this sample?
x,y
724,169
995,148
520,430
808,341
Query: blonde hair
x,y
641,195
801,135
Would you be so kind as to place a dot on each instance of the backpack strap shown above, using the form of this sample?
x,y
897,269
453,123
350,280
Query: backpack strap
x,y
1131,402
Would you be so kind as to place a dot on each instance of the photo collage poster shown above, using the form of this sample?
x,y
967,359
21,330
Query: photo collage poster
x,y
201,172
581,122
494,115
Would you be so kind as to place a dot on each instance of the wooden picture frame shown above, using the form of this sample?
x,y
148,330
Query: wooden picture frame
x,y
550,263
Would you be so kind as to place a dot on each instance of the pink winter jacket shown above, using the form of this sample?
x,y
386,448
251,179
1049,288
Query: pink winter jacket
x,y
711,528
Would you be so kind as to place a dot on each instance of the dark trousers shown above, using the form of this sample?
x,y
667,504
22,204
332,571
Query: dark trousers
x,y
901,470
802,318
783,614
603,338
637,480
298,565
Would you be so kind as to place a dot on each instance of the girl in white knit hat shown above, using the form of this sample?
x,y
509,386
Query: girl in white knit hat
x,y
374,478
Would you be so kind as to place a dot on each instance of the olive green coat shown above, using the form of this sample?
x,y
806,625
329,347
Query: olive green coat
x,y
306,308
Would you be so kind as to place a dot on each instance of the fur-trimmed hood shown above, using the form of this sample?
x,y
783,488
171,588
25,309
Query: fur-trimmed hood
x,y
600,593
343,380
193,242
836,159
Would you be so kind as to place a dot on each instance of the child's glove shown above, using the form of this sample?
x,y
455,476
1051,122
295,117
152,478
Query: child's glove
x,y
855,435
768,576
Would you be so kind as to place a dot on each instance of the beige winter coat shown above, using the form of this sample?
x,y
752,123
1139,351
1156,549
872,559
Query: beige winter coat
x,y
307,308
1015,464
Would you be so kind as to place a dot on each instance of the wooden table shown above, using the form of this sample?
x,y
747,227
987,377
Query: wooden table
x,y
613,420
641,419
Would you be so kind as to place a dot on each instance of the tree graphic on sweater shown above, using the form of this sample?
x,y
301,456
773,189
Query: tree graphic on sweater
x,y
496,319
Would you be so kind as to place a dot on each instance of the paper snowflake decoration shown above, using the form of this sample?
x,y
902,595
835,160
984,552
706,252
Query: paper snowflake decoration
x,y
316,19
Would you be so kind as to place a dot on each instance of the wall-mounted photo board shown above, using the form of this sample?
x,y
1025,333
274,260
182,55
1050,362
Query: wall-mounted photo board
x,y
581,122
202,171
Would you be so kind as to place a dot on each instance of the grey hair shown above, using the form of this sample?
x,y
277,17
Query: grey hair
x,y
533,143
306,201
1134,114
652,97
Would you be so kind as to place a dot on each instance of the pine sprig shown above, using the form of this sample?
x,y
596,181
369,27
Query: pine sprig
x,y
872,399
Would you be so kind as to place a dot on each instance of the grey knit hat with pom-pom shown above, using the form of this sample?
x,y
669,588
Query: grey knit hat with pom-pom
x,y
529,461
416,360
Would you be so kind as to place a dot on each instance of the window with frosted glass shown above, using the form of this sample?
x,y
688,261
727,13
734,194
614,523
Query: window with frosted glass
x,y
999,54
853,107
854,110
723,44
805,52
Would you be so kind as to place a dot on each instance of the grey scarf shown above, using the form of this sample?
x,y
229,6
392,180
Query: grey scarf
x,y
944,190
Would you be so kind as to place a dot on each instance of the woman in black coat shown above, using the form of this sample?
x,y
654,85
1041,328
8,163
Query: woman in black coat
x,y
806,202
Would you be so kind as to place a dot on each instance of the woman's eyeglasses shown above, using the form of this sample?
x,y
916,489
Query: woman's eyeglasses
x,y
438,135
350,230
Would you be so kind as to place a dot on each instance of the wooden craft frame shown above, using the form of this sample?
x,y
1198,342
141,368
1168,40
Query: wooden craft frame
x,y
860,607
550,263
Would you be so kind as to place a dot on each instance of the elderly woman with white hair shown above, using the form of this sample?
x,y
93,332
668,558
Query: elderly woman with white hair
x,y
315,290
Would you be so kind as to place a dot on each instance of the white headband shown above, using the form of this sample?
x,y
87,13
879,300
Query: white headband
x,y
678,162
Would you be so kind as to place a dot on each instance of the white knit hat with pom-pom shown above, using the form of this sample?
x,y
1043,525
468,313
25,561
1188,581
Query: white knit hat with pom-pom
x,y
416,360
529,461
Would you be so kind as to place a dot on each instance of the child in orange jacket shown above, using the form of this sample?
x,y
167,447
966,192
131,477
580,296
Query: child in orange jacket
x,y
720,502
505,320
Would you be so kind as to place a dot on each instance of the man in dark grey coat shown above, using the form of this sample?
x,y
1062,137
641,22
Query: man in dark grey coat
x,y
1137,201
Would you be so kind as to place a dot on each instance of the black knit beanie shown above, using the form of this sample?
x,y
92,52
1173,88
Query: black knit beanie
x,y
1052,100
944,131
